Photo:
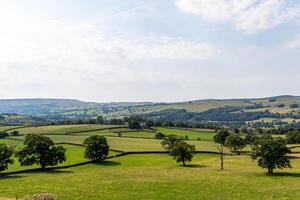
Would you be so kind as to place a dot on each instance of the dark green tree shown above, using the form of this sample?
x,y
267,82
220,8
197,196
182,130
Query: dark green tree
x,y
100,120
134,124
293,138
221,136
271,153
40,150
234,142
169,142
182,152
96,147
5,157
159,135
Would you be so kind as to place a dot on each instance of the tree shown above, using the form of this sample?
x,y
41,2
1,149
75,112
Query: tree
x,y
3,134
222,155
159,135
42,151
234,142
293,138
134,124
96,147
250,138
100,120
221,136
182,152
271,153
5,157
14,133
169,142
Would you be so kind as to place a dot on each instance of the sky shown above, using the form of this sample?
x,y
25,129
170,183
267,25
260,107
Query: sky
x,y
149,50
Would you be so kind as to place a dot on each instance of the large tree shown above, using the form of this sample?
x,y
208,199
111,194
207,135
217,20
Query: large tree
x,y
96,147
182,152
271,153
5,157
40,150
169,141
234,142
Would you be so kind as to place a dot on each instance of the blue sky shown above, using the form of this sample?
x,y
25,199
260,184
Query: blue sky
x,y
142,50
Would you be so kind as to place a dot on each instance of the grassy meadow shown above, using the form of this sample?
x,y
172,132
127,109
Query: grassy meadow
x,y
146,176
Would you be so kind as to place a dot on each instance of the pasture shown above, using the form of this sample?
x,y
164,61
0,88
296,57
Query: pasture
x,y
146,176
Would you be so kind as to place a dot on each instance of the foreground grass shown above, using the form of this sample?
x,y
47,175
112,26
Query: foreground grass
x,y
159,177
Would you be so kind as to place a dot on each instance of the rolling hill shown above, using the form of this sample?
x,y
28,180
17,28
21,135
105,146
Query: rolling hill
x,y
253,109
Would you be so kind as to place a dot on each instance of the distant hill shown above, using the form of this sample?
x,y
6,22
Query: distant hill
x,y
279,107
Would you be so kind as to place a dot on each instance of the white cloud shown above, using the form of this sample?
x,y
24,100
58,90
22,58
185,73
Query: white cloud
x,y
55,58
249,16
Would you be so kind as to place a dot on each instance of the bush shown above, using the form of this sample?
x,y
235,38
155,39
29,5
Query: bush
x,y
294,105
14,133
159,135
3,134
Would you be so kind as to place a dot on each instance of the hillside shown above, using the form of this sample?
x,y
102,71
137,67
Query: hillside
x,y
280,107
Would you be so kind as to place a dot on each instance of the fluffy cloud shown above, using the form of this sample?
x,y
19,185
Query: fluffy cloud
x,y
249,16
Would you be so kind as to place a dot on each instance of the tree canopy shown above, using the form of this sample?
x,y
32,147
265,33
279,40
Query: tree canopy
x,y
40,150
169,142
5,157
221,136
96,147
182,152
234,142
271,153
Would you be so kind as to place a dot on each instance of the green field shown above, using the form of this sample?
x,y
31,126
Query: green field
x,y
147,176
206,135
159,177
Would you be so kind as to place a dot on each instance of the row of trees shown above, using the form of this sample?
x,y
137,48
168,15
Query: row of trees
x,y
270,153
41,150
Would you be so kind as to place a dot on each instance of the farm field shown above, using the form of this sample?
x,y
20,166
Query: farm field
x,y
144,176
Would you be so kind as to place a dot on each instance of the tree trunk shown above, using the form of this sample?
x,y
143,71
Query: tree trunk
x,y
270,170
183,163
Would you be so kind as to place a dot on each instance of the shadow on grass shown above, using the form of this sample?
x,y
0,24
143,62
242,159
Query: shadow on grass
x,y
193,166
107,163
286,174
10,177
56,171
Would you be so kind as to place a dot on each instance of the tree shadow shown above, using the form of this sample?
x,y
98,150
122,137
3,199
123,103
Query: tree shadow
x,y
286,174
193,166
5,177
56,171
107,163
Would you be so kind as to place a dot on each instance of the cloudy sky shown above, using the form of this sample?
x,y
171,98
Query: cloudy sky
x,y
149,50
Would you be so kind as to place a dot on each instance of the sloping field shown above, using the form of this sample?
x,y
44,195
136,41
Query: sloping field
x,y
62,129
191,133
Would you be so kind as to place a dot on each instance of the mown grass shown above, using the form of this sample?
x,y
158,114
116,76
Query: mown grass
x,y
62,129
159,177
191,133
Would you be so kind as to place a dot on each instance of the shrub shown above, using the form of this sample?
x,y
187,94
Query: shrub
x,y
294,105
